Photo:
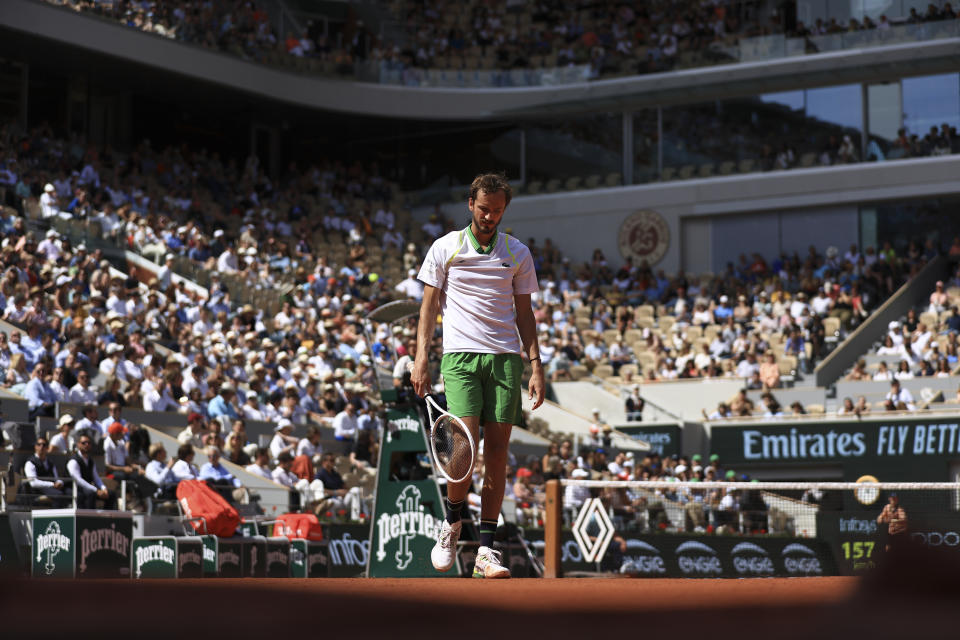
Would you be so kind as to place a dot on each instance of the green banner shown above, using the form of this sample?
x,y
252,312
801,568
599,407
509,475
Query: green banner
x,y
154,557
663,439
211,556
278,558
54,544
889,448
409,507
190,559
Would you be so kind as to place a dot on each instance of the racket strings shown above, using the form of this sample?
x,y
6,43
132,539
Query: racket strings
x,y
452,448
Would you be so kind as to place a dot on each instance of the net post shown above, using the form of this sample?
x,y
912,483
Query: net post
x,y
553,521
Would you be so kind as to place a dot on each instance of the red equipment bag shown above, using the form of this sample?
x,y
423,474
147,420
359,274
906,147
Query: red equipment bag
x,y
299,526
200,501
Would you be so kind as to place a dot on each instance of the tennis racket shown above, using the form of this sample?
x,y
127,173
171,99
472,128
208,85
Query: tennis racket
x,y
451,443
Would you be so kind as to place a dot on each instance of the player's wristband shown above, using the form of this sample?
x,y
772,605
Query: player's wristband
x,y
537,358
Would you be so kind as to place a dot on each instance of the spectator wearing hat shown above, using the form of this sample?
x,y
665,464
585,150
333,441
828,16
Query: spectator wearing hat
x,y
62,441
118,464
410,287
283,439
49,204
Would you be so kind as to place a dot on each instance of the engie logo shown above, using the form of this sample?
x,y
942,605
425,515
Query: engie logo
x,y
402,424
642,558
800,560
751,559
153,553
51,542
696,558
410,521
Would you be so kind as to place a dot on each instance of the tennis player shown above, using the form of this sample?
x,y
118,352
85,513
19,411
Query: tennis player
x,y
480,280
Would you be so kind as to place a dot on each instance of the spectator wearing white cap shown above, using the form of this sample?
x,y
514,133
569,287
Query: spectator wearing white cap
x,y
49,206
410,286
62,441
283,440
165,273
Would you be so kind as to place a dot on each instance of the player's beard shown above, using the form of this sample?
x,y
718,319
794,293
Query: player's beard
x,y
484,228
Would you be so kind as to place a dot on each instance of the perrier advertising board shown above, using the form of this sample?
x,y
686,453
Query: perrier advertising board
x,y
409,508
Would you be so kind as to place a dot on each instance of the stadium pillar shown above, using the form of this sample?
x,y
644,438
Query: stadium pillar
x,y
553,522
626,157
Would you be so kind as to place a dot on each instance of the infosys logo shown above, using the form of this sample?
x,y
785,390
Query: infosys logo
x,y
751,559
642,558
696,558
800,560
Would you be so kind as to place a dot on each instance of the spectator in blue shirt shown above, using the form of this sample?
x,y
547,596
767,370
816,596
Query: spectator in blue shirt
x,y
222,405
723,310
41,398
215,473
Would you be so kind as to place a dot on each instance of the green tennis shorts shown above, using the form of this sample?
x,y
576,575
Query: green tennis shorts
x,y
483,384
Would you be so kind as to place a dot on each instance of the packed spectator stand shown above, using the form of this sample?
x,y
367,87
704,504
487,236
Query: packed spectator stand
x,y
608,39
253,312
914,363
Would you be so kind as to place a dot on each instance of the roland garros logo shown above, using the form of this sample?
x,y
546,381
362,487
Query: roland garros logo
x,y
644,236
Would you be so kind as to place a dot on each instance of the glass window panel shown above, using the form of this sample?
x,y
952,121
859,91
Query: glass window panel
x,y
645,146
581,147
931,101
885,118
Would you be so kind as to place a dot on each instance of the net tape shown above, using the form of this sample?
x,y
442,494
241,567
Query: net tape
x,y
767,486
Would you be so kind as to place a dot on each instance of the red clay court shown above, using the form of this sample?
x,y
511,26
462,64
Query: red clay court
x,y
809,608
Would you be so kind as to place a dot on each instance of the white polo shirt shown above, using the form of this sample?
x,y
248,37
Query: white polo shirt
x,y
477,290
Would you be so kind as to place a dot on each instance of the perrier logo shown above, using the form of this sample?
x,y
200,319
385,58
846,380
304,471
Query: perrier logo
x,y
158,552
49,544
411,520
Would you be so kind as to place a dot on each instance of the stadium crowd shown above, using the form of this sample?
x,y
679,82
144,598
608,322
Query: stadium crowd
x,y
89,334
611,37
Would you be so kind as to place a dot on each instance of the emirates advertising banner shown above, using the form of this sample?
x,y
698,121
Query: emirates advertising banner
x,y
409,507
889,449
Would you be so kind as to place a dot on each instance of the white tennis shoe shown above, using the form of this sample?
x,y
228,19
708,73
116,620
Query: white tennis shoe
x,y
489,564
444,552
